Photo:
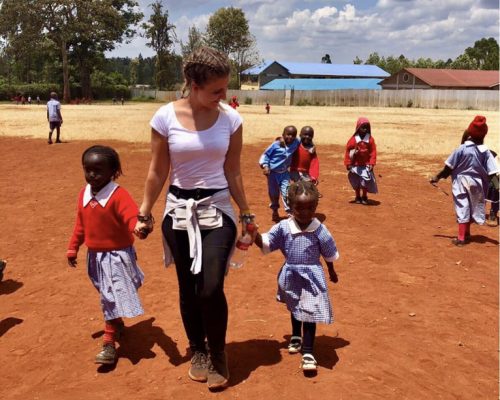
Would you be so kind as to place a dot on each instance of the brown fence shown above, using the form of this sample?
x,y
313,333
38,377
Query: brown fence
x,y
420,98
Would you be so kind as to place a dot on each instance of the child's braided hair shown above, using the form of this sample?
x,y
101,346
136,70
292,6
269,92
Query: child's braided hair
x,y
302,187
109,154
202,65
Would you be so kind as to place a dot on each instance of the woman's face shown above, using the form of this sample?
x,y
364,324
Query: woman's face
x,y
211,93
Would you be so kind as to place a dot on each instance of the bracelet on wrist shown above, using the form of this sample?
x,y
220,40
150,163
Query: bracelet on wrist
x,y
146,218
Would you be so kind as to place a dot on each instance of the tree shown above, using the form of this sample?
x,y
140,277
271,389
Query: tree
x,y
464,61
357,60
112,22
228,31
484,53
161,35
88,27
326,59
195,40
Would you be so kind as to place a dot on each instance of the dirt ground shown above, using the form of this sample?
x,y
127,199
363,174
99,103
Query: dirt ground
x,y
416,318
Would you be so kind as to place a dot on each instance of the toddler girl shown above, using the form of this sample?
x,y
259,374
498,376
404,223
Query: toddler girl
x,y
360,158
301,281
105,220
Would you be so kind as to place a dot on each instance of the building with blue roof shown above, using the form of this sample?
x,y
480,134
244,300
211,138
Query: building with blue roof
x,y
322,84
267,72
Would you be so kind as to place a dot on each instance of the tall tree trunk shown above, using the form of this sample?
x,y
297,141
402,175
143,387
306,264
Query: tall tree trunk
x,y
65,67
85,81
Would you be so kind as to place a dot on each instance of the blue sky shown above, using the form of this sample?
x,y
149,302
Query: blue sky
x,y
292,30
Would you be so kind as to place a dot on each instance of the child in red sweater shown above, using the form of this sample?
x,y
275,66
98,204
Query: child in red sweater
x,y
105,220
360,158
305,163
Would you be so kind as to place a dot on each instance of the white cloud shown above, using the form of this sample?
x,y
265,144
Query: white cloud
x,y
305,30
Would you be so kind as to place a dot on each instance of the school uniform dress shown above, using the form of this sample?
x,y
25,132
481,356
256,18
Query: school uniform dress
x,y
277,158
105,223
301,281
305,165
471,167
359,153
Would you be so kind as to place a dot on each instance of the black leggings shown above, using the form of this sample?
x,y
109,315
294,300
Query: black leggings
x,y
202,301
305,330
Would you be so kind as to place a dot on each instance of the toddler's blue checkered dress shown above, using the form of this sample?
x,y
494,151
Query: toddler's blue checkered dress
x,y
116,276
301,281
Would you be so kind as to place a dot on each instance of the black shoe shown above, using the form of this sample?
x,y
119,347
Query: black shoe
x,y
357,200
3,264
364,200
457,242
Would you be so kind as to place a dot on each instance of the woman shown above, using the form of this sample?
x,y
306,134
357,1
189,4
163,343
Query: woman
x,y
198,140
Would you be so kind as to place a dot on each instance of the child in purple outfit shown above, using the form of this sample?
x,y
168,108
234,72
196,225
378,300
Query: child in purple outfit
x,y
471,167
302,286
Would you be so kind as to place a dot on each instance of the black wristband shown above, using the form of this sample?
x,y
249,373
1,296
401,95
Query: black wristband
x,y
145,218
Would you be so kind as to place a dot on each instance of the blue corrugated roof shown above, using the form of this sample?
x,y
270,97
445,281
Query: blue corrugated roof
x,y
256,70
322,84
312,69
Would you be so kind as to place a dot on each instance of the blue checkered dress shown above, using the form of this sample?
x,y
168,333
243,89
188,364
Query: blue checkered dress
x,y
301,281
116,276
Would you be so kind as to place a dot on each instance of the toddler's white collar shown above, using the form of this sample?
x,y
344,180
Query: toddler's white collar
x,y
102,197
366,139
294,228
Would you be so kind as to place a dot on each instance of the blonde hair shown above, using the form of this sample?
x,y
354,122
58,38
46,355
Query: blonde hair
x,y
202,65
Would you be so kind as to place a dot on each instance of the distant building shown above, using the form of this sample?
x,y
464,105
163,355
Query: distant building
x,y
265,73
430,78
322,84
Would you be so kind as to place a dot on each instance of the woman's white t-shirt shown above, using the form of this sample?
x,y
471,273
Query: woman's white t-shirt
x,y
197,157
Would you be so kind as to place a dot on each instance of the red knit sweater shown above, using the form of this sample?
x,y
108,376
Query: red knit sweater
x,y
366,152
104,228
304,161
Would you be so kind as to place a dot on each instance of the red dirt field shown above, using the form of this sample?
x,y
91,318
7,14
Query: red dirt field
x,y
416,317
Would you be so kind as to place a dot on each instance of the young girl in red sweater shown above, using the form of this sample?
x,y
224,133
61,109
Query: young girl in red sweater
x,y
305,163
105,220
360,158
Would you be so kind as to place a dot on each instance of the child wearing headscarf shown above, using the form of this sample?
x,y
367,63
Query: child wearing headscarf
x,y
360,158
471,167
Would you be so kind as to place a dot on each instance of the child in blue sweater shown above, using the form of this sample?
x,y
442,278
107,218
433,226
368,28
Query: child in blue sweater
x,y
275,162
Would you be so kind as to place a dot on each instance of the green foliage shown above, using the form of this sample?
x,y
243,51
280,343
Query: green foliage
x,y
484,53
161,35
195,40
304,102
228,31
326,59
7,92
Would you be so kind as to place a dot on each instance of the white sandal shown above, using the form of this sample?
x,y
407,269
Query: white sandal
x,y
295,345
309,363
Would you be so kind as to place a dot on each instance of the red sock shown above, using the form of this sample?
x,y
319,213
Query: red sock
x,y
467,229
109,333
462,229
364,192
357,193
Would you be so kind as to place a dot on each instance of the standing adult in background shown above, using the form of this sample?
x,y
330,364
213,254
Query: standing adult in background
x,y
198,139
54,117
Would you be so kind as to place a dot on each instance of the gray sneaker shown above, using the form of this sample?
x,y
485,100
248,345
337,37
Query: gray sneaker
x,y
199,367
218,373
107,355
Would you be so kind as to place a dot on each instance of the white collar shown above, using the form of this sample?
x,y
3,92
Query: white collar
x,y
294,227
366,139
481,147
102,196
